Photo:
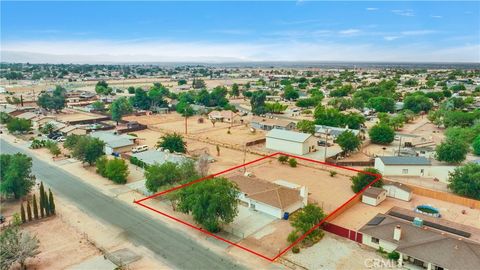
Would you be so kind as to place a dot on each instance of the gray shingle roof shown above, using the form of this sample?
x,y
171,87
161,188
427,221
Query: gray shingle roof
x,y
427,244
288,135
405,161
153,156
113,140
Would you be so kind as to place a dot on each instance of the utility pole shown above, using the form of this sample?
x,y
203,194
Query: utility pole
x,y
244,158
399,145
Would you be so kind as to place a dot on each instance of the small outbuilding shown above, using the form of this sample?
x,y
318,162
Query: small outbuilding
x,y
290,141
115,143
398,191
374,196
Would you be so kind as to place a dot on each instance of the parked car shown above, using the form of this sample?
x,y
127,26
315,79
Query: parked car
x,y
60,139
2,219
140,148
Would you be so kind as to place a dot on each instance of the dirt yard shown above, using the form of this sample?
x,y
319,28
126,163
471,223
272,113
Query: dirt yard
x,y
57,238
328,192
68,115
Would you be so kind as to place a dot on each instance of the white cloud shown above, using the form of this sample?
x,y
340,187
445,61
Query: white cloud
x,y
371,9
349,32
102,51
404,12
390,38
417,32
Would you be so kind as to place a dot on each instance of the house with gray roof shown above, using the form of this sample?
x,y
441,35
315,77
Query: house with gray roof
x,y
115,143
290,141
421,246
321,131
151,157
403,166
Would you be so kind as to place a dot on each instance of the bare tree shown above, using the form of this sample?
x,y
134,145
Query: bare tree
x,y
17,246
203,164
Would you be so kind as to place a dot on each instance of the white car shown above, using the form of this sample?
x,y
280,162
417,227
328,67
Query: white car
x,y
139,148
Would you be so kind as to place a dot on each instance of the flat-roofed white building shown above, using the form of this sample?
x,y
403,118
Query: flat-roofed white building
x,y
291,142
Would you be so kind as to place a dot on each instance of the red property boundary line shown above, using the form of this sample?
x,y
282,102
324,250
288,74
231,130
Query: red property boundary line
x,y
139,202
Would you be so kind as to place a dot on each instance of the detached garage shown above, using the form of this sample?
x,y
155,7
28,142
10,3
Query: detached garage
x,y
290,141
398,191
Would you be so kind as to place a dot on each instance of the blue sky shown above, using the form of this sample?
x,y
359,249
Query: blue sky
x,y
240,31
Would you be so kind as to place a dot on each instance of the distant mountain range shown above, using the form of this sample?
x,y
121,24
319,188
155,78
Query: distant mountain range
x,y
39,58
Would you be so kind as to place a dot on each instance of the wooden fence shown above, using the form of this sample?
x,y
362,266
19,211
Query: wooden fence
x,y
444,196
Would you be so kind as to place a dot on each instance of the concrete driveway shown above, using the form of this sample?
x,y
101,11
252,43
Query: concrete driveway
x,y
248,222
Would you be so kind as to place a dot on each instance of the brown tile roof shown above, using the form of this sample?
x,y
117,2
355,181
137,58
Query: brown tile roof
x,y
427,244
266,192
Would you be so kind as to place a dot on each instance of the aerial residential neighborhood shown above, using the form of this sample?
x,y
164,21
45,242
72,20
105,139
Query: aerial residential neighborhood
x,y
242,135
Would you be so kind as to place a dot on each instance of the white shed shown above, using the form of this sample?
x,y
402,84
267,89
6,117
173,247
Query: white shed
x,y
290,141
398,191
374,196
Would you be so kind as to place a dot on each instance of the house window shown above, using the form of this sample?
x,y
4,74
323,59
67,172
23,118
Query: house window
x,y
375,240
404,171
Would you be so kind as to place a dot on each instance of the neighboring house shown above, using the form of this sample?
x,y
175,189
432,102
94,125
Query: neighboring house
x,y
290,141
74,129
274,199
27,115
321,131
412,166
403,166
224,116
374,196
398,191
269,124
419,245
151,157
115,143
56,125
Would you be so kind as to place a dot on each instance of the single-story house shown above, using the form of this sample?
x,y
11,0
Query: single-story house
x,y
321,131
151,157
73,129
269,124
398,191
271,198
290,141
224,116
27,115
403,166
374,196
419,245
115,143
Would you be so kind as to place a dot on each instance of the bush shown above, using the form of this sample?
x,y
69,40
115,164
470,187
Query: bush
x,y
296,249
476,146
333,173
393,255
362,180
381,134
138,162
37,144
282,159
113,169
292,162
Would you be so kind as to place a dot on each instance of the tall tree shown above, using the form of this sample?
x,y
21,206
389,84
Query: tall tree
x,y
43,207
51,202
348,141
119,108
29,211
35,207
19,125
211,202
465,181
17,247
22,213
381,134
173,142
257,102
16,175
452,150
304,221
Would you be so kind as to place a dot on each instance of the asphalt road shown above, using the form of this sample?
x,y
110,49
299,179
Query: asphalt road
x,y
172,247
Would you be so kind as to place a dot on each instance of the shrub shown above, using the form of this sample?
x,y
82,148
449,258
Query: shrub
x,y
381,134
138,162
292,162
296,249
393,255
333,173
283,159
